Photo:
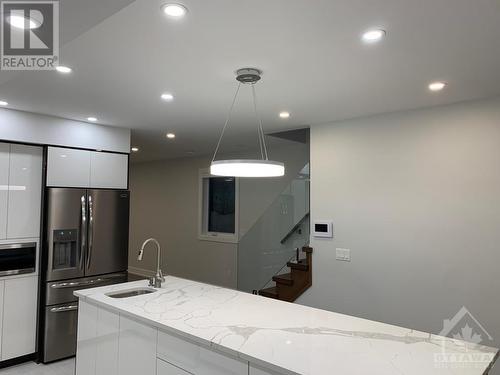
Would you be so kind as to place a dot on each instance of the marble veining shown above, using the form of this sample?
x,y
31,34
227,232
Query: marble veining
x,y
290,338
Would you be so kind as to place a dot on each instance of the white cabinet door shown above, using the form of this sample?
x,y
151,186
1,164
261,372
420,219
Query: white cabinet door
x,y
137,348
108,328
4,188
2,284
196,359
68,168
25,191
19,317
164,368
108,170
86,339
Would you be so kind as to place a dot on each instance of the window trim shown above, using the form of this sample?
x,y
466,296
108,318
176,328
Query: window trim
x,y
203,233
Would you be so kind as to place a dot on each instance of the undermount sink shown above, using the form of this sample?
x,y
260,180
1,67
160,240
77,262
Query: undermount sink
x,y
131,293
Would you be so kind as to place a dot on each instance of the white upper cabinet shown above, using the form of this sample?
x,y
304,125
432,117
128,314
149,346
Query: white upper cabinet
x,y
108,170
25,191
88,169
4,186
67,167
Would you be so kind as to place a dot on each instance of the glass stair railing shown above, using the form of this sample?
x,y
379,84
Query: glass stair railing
x,y
272,241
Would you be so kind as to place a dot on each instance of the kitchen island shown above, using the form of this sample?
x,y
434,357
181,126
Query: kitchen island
x,y
188,327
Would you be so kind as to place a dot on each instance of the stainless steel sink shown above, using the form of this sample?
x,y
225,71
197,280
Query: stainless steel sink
x,y
131,293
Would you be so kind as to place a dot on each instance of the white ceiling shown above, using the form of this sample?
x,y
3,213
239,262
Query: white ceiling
x,y
125,54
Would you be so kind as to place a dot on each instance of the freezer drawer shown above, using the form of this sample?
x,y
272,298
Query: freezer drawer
x,y
60,331
62,291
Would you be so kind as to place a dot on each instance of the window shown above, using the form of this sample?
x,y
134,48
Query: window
x,y
218,208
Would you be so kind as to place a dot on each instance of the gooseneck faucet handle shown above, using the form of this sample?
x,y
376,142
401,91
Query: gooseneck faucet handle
x,y
158,279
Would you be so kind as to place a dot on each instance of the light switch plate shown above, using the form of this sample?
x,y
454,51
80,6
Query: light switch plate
x,y
343,255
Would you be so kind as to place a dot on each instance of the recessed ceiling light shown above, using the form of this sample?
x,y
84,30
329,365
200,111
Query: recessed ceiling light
x,y
170,135
285,114
135,149
167,97
437,86
373,36
92,119
4,103
174,10
64,69
19,22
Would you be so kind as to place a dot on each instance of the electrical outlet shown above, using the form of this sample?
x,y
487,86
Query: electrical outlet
x,y
343,255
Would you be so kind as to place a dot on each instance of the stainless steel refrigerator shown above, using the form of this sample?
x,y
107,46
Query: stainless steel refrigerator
x,y
86,245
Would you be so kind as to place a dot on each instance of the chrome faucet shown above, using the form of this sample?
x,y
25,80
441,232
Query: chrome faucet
x,y
158,279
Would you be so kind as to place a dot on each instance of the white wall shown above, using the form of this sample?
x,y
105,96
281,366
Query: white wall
x,y
164,205
48,130
415,196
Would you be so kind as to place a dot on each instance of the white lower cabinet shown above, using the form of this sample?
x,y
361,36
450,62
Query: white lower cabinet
x,y
112,344
86,339
108,330
196,359
19,317
137,348
165,368
2,285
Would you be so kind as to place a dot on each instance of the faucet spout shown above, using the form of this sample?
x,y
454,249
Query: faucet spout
x,y
158,279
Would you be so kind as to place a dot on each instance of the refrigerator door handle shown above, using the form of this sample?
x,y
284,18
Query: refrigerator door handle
x,y
64,308
91,232
83,230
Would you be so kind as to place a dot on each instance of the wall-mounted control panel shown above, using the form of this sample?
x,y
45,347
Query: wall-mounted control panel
x,y
323,229
343,255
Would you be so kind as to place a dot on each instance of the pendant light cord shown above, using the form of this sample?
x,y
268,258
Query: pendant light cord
x,y
262,140
227,121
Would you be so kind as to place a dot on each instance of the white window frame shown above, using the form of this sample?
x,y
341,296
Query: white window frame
x,y
203,233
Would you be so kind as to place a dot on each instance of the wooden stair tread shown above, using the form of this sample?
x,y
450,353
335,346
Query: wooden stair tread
x,y
301,265
283,279
269,292
307,249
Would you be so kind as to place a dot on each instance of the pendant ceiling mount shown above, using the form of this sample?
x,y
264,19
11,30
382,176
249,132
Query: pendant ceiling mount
x,y
248,75
247,167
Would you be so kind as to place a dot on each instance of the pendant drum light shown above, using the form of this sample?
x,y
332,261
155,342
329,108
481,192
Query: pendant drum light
x,y
262,167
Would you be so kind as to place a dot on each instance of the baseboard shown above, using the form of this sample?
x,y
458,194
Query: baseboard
x,y
17,361
141,272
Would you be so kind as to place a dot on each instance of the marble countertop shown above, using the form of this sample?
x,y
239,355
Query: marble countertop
x,y
290,338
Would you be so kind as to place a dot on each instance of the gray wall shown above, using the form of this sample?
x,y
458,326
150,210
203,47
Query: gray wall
x,y
49,130
415,196
164,205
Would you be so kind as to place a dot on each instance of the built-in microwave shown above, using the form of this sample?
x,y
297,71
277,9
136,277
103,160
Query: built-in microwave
x,y
17,258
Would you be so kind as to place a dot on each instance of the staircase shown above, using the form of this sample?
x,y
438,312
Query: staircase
x,y
290,286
